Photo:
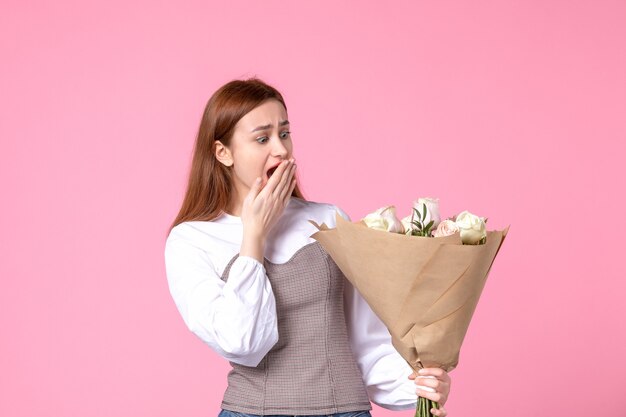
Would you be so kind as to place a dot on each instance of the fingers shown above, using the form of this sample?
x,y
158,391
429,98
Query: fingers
x,y
442,412
436,372
433,396
288,187
438,396
434,384
264,204
282,190
428,381
276,179
255,189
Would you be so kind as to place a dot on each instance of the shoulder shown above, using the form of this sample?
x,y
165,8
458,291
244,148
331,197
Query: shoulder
x,y
193,232
214,238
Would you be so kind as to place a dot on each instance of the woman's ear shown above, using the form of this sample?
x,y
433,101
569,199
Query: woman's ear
x,y
222,153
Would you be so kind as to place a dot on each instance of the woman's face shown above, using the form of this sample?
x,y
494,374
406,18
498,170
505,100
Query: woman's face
x,y
261,140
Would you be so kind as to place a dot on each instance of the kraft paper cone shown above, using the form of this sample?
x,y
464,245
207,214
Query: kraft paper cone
x,y
424,289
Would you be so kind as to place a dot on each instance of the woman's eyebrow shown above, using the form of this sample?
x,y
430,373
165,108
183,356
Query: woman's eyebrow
x,y
283,123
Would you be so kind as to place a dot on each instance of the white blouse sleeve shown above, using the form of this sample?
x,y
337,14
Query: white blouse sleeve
x,y
236,318
385,372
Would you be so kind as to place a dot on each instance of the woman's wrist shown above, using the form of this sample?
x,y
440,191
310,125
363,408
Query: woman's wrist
x,y
252,245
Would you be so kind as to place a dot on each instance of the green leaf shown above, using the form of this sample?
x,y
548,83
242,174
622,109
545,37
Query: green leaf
x,y
424,213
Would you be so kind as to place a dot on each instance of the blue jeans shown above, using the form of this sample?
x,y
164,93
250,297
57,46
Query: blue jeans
x,y
226,413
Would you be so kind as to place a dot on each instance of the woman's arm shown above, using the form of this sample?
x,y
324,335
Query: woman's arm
x,y
385,372
236,318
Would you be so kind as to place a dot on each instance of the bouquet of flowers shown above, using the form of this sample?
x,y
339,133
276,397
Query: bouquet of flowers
x,y
423,280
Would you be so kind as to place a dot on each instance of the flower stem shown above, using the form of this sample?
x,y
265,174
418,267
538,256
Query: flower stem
x,y
424,406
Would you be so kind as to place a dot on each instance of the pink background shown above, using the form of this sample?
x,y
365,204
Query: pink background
x,y
512,110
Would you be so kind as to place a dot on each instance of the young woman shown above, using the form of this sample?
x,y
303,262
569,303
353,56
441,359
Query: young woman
x,y
249,280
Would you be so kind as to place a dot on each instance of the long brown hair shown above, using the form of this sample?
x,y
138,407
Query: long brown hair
x,y
209,186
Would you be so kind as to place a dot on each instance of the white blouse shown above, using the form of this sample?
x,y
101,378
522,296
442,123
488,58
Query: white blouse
x,y
237,318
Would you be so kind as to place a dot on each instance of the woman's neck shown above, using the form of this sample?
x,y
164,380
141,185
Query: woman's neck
x,y
234,208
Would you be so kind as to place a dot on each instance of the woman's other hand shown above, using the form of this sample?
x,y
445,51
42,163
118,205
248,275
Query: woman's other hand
x,y
263,206
439,382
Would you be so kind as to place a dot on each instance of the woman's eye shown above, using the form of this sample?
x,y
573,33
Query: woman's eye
x,y
285,134
262,139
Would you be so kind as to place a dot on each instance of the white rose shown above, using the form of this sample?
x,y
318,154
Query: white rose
x,y
472,227
384,219
432,210
408,226
446,228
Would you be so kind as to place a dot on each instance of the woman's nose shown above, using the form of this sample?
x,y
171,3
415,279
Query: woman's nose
x,y
279,149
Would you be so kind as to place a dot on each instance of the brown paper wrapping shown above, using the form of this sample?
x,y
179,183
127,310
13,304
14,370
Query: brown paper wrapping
x,y
424,289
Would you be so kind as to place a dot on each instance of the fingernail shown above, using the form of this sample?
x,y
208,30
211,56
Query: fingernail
x,y
422,372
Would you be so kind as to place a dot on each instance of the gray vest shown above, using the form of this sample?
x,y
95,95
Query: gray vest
x,y
311,370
